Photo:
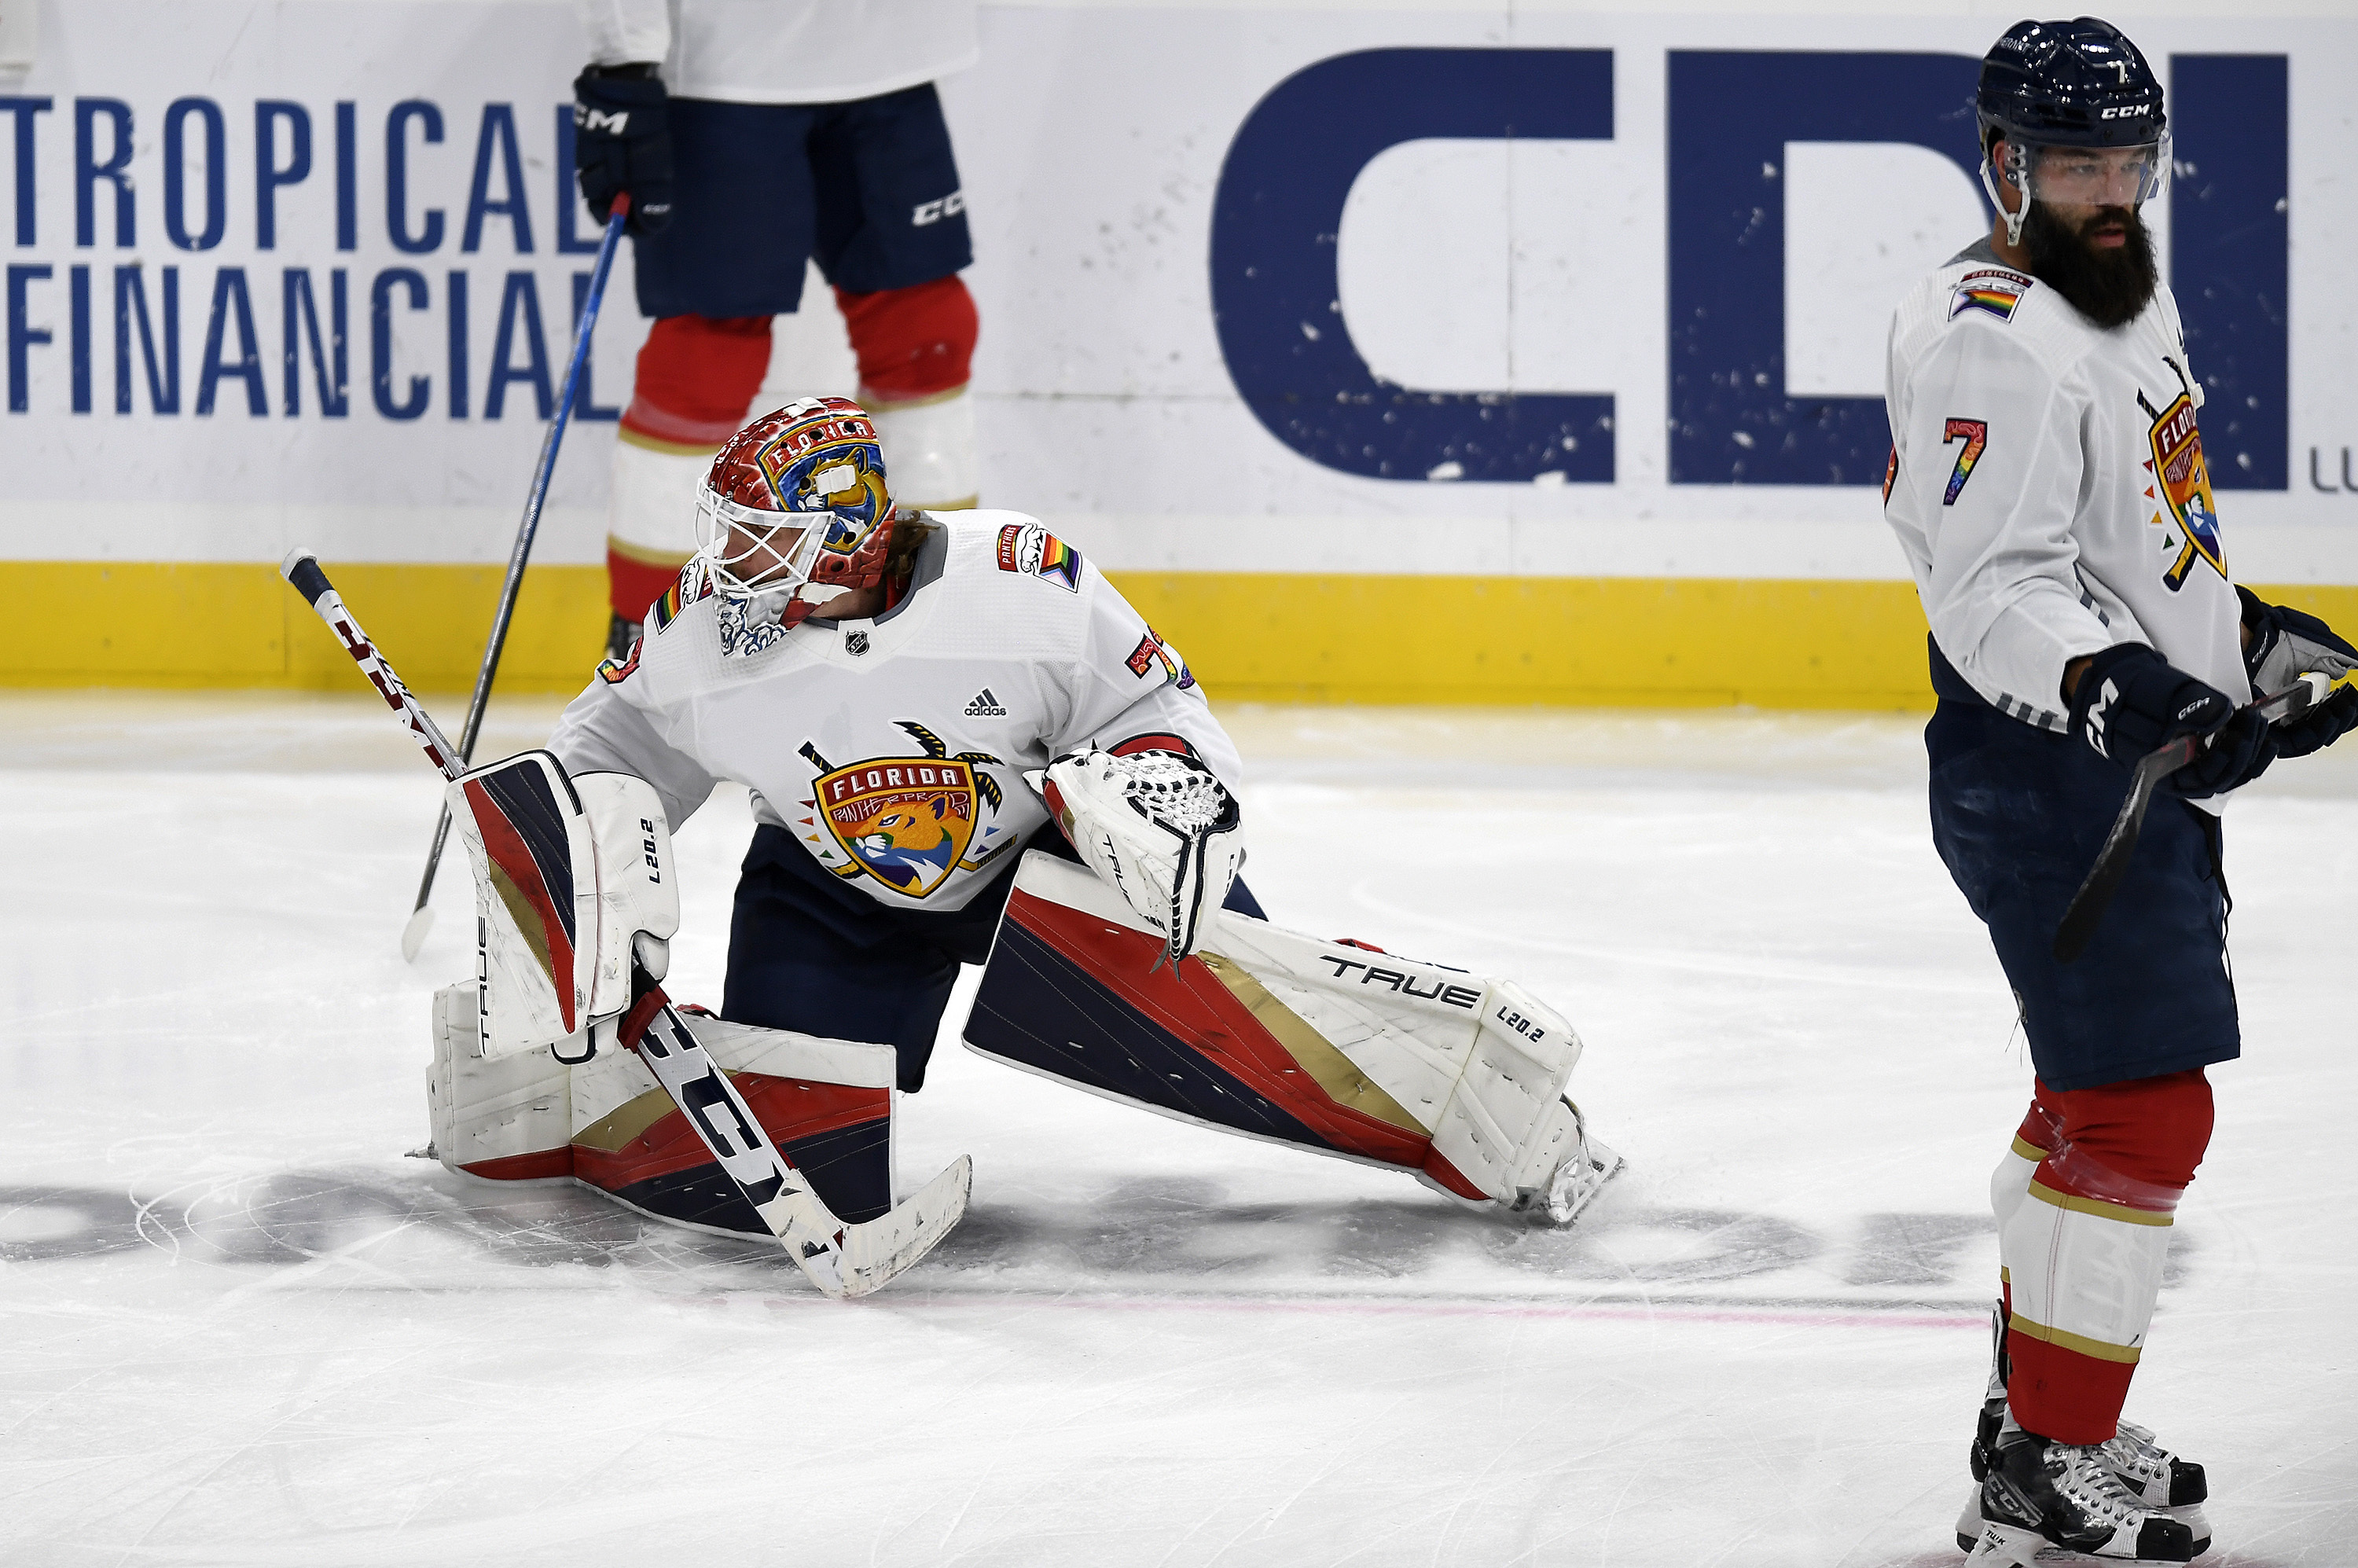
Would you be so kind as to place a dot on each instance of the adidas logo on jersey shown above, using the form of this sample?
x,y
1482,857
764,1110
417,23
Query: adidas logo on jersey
x,y
985,706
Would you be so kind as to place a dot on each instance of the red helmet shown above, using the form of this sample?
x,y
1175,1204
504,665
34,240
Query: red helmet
x,y
812,466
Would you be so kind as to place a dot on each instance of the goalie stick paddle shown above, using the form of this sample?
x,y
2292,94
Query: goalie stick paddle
x,y
421,917
2086,911
842,1260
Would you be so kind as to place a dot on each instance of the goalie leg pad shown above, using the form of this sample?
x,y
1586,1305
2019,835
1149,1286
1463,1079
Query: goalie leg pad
x,y
504,1119
827,1103
1277,1035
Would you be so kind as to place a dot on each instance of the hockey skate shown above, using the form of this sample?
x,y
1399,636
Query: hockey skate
x,y
2152,1473
2043,1503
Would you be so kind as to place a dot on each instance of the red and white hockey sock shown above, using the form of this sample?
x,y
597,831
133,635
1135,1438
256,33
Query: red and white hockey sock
x,y
696,377
2082,1247
915,348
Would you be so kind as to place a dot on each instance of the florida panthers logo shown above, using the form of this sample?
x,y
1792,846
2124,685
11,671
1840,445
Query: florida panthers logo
x,y
2180,489
908,822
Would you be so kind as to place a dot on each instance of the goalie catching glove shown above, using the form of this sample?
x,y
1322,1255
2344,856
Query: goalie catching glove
x,y
1158,828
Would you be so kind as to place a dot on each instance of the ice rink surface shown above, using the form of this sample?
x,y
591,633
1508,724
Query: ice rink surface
x,y
242,1328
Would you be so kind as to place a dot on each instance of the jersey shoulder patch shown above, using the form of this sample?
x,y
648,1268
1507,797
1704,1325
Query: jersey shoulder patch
x,y
1028,550
1990,290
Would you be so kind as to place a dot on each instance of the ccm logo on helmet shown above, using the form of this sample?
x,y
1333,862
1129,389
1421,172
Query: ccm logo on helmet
x,y
2129,113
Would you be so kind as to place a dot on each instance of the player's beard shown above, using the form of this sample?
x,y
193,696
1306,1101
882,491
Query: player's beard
x,y
2108,285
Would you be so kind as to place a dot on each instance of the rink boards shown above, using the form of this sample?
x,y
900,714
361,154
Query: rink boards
x,y
1547,370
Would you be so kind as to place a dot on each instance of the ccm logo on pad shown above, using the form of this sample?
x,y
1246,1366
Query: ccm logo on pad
x,y
1393,979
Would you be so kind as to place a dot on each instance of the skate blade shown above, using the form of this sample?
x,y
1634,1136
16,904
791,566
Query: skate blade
x,y
2003,1544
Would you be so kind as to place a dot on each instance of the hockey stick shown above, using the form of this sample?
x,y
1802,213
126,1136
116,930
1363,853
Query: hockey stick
x,y
2087,907
842,1260
421,917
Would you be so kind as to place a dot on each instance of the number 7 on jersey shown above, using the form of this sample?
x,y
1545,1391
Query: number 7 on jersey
x,y
1974,433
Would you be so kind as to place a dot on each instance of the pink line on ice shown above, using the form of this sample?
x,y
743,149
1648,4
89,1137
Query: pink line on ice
x,y
1670,1312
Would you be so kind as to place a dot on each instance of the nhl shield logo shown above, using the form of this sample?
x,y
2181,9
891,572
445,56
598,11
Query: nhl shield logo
x,y
905,821
2183,481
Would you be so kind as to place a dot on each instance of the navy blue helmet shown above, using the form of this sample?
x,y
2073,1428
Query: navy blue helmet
x,y
2079,83
2081,114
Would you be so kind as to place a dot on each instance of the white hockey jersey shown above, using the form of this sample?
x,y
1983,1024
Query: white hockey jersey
x,y
894,749
2047,483
785,51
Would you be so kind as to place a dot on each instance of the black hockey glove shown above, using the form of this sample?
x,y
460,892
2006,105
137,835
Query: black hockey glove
x,y
2130,700
622,143
2287,644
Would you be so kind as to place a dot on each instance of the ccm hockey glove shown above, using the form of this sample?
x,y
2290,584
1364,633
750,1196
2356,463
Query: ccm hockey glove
x,y
622,143
2130,700
2287,644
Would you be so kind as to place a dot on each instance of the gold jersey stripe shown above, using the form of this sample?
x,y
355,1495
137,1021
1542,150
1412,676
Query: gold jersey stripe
x,y
2079,1343
2097,1206
2030,1152
1327,1066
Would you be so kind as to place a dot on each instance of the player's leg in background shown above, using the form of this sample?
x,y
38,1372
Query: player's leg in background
x,y
892,239
731,257
697,375
2085,1251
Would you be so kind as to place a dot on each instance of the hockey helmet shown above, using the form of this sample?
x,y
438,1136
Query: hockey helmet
x,y
2080,112
797,499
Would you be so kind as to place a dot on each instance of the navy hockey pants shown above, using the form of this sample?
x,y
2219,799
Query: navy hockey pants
x,y
868,188
810,952
2019,814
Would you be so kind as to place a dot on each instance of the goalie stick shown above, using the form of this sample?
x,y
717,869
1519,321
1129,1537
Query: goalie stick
x,y
842,1260
2087,908
421,917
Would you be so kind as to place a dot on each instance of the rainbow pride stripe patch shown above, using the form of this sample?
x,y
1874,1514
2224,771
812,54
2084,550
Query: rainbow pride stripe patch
x,y
1060,563
666,610
1993,291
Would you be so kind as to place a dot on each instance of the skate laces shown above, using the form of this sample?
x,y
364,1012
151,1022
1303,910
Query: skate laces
x,y
2084,1478
2134,1449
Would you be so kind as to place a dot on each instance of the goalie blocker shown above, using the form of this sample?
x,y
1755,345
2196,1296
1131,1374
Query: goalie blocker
x,y
1340,1049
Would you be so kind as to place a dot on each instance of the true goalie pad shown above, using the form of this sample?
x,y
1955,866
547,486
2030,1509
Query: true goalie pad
x,y
1159,827
608,1125
568,871
1336,1048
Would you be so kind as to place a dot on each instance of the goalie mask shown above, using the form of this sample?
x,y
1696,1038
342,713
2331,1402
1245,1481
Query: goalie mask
x,y
2081,115
794,502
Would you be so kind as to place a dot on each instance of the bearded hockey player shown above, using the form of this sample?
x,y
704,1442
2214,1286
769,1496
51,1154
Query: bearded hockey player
x,y
942,719
749,139
2049,489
